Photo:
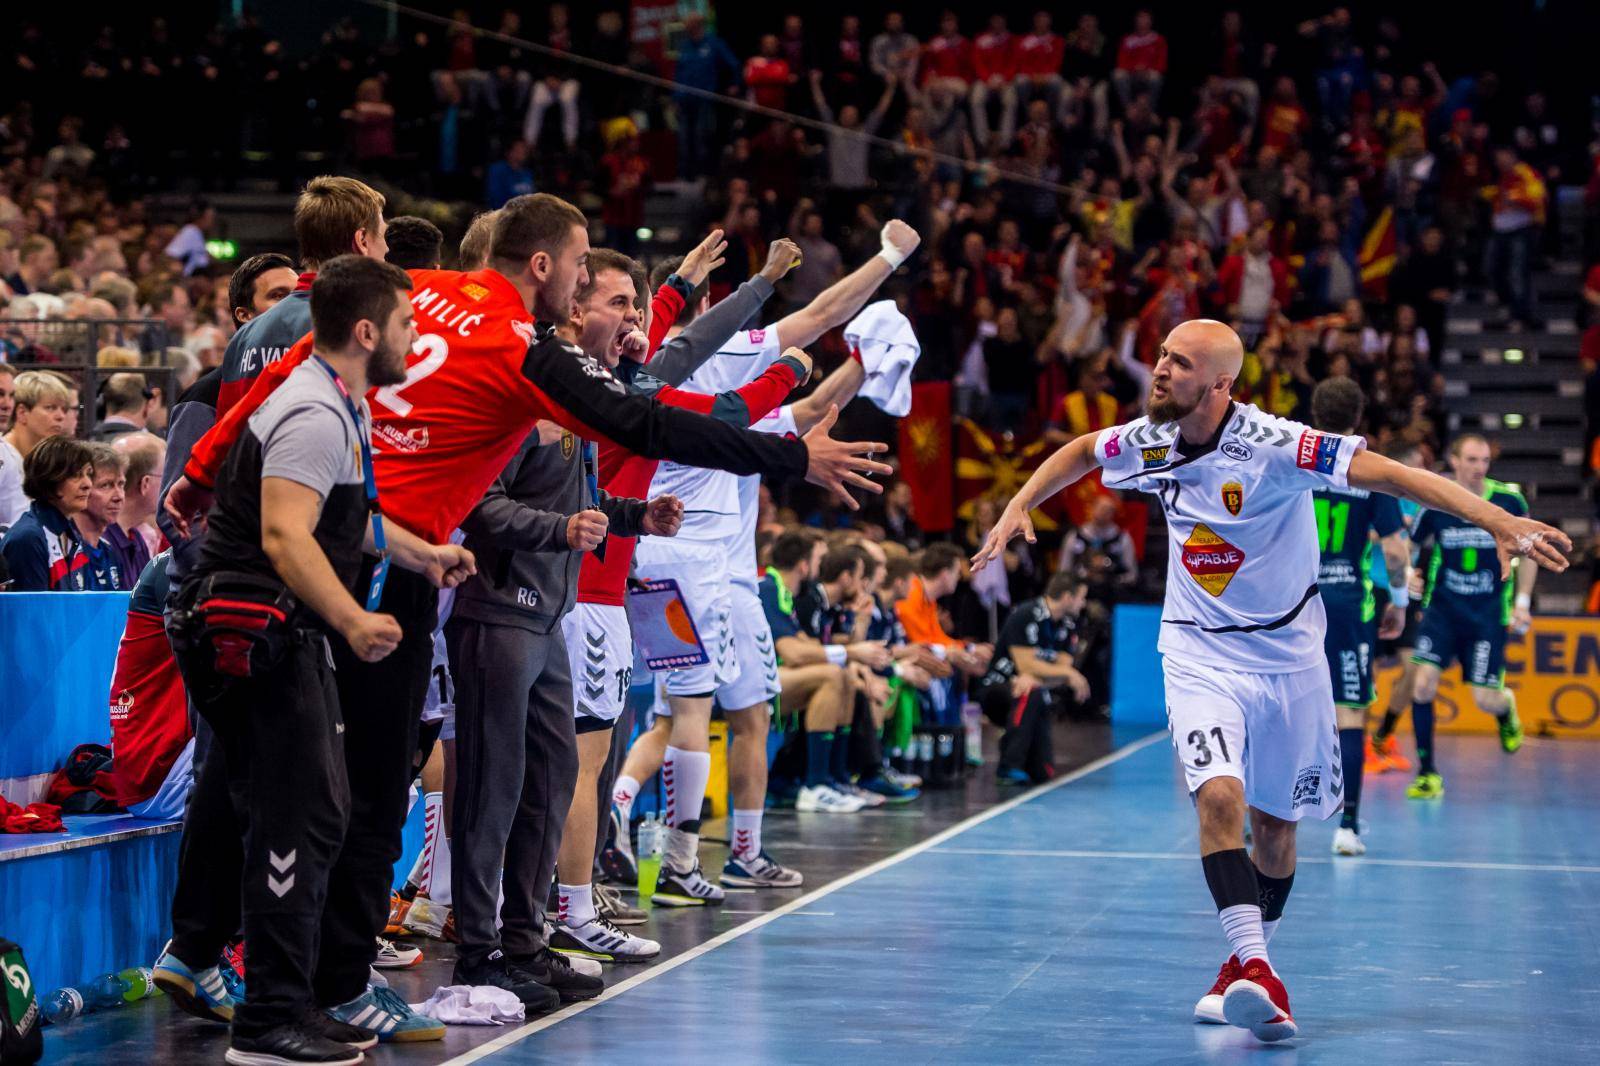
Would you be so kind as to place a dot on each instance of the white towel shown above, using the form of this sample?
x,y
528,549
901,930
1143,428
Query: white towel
x,y
471,1005
889,350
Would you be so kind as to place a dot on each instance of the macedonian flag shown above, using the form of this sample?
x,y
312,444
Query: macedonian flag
x,y
998,465
925,456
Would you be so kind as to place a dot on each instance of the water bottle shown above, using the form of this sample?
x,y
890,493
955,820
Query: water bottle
x,y
63,1005
140,981
972,719
652,844
105,991
925,754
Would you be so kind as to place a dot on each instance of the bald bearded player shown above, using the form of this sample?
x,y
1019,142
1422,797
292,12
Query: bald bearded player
x,y
1259,733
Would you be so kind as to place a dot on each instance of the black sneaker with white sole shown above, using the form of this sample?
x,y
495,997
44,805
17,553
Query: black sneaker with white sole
x,y
687,888
340,1032
496,971
552,970
287,1045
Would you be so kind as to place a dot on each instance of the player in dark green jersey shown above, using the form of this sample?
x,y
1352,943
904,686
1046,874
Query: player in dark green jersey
x,y
1347,520
1466,610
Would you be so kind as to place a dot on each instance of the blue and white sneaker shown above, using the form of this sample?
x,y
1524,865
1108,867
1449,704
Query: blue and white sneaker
x,y
1010,775
202,994
891,792
386,1014
759,871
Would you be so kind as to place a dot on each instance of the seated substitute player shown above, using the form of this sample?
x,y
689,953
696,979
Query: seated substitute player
x,y
1032,664
812,674
1466,610
1345,518
1253,722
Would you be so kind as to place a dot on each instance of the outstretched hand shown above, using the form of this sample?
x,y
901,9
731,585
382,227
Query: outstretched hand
x,y
703,258
1525,538
837,465
1013,521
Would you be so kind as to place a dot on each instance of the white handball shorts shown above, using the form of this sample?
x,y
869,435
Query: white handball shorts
x,y
1276,733
440,704
753,651
600,648
701,571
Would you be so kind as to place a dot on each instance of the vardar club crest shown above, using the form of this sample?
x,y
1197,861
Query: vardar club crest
x,y
1233,497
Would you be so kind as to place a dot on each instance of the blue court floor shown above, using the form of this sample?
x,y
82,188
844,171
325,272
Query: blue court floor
x,y
1075,926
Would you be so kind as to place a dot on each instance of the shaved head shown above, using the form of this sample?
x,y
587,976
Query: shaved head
x,y
1200,361
1215,343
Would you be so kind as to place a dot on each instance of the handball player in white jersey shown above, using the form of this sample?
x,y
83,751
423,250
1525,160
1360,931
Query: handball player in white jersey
x,y
713,561
1249,701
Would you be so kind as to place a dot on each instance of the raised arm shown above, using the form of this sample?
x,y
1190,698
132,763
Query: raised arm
x,y
839,302
680,356
835,390
1070,462
1514,535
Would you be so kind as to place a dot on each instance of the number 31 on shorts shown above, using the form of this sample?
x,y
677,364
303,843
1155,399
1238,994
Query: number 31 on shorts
x,y
1201,750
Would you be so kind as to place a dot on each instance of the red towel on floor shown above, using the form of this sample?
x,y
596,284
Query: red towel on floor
x,y
34,818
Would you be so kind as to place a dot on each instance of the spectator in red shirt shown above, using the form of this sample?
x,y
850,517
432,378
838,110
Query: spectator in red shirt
x,y
768,76
1039,56
947,59
994,69
627,177
1254,284
1141,61
846,63
1285,122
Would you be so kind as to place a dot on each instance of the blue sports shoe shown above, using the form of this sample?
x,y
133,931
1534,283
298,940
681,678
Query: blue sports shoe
x,y
890,791
1010,775
203,994
386,1014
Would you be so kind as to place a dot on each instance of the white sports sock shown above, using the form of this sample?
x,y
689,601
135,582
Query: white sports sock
x,y
682,851
577,904
685,774
432,821
1268,928
622,796
747,833
1242,926
439,889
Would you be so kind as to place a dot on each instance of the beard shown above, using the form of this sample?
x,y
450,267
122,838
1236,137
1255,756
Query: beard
x,y
386,365
554,300
1168,408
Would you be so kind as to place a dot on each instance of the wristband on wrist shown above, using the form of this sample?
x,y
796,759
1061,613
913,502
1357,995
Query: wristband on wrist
x,y
1524,601
892,255
681,285
836,654
939,651
1399,596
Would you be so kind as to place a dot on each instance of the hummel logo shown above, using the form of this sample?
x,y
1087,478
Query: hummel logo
x,y
281,863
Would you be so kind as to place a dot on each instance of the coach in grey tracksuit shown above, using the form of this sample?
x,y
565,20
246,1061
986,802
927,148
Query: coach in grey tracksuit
x,y
517,756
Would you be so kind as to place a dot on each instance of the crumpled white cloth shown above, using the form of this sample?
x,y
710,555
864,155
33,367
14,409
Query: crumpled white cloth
x,y
471,1005
889,349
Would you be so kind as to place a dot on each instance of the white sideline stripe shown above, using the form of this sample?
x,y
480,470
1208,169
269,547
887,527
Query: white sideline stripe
x,y
518,1035
1186,856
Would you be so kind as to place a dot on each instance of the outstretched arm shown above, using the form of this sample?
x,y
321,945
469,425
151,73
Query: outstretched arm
x,y
836,390
1514,535
839,302
1069,463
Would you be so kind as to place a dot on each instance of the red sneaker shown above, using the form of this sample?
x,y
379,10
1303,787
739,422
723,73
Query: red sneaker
x,y
1209,1010
1257,1001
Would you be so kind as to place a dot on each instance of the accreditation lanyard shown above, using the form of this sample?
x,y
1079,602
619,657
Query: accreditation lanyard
x,y
380,572
591,477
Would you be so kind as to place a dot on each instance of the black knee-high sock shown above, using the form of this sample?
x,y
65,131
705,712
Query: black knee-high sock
x,y
1351,743
1422,723
1274,893
839,764
1391,718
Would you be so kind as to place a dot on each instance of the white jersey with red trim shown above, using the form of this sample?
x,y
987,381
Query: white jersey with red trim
x,y
1242,543
741,549
711,497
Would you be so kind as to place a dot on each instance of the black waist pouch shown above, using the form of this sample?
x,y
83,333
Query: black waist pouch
x,y
240,624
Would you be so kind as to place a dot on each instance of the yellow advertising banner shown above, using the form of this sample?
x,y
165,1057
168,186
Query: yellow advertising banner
x,y
1554,669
